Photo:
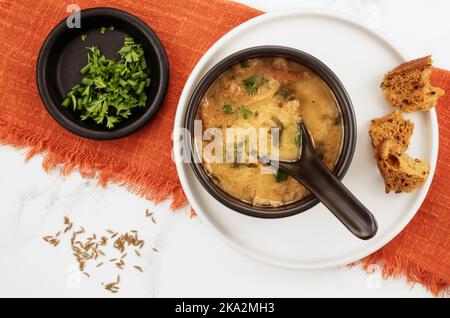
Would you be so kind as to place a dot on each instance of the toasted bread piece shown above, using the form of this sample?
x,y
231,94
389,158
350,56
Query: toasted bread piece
x,y
400,172
391,127
408,87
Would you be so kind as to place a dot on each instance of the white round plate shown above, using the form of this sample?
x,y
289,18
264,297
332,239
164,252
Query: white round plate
x,y
316,239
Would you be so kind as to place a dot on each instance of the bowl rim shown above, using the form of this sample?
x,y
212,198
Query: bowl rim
x,y
344,103
54,109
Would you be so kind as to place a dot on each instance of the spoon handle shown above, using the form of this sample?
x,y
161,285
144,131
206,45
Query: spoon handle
x,y
314,175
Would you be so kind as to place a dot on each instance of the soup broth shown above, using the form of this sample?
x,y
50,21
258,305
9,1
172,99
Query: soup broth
x,y
269,92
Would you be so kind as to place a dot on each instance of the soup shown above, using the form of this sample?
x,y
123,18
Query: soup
x,y
274,94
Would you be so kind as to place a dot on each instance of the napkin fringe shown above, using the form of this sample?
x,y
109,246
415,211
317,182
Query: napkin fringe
x,y
394,266
74,158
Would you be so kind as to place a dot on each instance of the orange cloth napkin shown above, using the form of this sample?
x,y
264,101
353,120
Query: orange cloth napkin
x,y
142,162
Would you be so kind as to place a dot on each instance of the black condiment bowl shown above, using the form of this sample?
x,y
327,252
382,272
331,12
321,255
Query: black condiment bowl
x,y
63,54
343,101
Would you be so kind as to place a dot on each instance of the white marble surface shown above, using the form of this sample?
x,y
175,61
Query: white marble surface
x,y
192,261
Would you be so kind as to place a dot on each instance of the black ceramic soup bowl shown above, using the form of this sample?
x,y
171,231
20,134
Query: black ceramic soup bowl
x,y
343,101
64,54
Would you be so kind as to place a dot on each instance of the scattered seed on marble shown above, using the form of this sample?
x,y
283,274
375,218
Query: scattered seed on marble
x,y
138,268
87,249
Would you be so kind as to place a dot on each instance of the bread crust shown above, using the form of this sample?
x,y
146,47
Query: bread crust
x,y
390,127
400,172
417,64
408,88
390,139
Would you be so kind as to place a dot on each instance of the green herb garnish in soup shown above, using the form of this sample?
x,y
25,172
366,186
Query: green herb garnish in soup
x,y
245,64
245,112
281,176
111,90
252,84
298,138
242,110
265,94
228,109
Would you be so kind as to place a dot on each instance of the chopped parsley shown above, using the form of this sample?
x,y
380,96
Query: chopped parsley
x,y
103,30
252,84
245,112
111,89
242,110
83,37
298,138
245,64
281,176
228,109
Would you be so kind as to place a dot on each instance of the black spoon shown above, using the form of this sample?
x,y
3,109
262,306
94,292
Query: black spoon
x,y
310,171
